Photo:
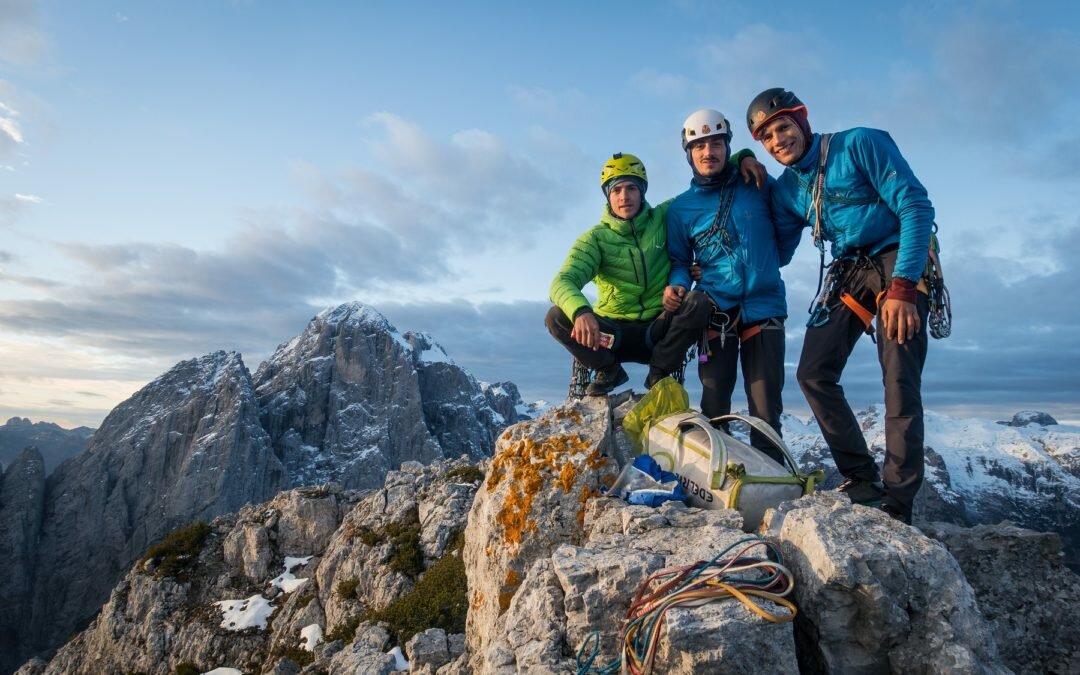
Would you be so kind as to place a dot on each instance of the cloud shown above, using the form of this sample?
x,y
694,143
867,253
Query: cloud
x,y
995,79
11,134
21,39
436,203
32,199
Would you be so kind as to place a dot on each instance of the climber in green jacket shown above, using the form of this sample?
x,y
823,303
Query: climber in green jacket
x,y
626,256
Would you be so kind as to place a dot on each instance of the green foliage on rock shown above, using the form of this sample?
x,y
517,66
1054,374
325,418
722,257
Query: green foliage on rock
x,y
343,631
347,588
177,551
438,600
466,474
187,669
297,655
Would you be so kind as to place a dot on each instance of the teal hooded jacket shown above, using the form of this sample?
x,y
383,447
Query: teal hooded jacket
x,y
872,199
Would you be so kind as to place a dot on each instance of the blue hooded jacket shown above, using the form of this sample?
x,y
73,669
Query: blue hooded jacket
x,y
871,199
744,271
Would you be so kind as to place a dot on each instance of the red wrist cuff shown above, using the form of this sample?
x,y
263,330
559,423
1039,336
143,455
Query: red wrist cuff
x,y
903,290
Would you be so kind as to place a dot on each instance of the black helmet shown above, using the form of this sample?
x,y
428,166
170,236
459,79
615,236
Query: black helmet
x,y
767,105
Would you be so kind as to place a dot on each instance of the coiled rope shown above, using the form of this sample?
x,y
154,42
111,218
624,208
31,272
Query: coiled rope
x,y
742,576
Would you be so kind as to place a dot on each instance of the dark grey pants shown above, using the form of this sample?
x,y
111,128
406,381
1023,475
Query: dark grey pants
x,y
762,358
661,342
825,353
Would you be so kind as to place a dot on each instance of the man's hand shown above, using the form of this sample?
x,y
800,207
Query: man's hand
x,y
673,297
587,330
695,272
752,170
901,320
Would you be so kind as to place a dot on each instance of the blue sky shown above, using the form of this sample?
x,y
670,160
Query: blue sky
x,y
180,177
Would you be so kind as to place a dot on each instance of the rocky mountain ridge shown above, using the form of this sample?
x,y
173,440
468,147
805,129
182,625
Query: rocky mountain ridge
x,y
314,581
53,442
345,401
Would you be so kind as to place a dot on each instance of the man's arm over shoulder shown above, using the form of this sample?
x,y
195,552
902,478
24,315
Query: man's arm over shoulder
x,y
581,265
879,158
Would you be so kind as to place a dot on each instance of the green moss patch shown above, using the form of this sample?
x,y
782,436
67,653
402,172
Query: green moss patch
x,y
297,655
466,474
438,600
347,588
344,631
178,551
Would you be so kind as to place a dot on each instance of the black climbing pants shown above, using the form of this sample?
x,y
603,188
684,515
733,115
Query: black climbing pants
x,y
825,352
661,342
762,359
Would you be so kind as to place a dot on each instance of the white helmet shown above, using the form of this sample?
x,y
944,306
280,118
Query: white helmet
x,y
705,123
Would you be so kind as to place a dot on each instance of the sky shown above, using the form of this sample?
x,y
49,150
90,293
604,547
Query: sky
x,y
182,177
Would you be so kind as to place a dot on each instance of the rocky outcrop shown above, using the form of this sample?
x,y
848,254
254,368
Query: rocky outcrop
x,y
314,558
876,595
552,568
1030,599
188,446
350,398
22,500
1026,417
463,415
53,442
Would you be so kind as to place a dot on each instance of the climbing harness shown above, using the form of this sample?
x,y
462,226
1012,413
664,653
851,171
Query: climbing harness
x,y
834,290
741,576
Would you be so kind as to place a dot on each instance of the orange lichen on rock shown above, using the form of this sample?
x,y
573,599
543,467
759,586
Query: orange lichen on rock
x,y
528,466
567,476
477,599
586,494
512,579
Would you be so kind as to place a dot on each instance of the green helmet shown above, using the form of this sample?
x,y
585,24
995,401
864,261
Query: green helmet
x,y
767,105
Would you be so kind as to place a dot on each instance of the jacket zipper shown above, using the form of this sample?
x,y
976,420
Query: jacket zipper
x,y
644,270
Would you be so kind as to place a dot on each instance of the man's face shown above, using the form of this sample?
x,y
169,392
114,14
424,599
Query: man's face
x,y
784,140
709,155
625,199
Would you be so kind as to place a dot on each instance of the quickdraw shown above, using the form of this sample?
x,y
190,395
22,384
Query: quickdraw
x,y
940,318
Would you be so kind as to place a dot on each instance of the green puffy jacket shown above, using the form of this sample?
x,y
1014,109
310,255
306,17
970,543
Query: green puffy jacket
x,y
628,261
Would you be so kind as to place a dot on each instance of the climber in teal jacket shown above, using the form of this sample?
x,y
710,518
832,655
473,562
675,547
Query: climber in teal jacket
x,y
724,226
856,191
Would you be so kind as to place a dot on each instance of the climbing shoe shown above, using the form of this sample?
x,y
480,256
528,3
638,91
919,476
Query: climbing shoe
x,y
655,375
865,492
606,381
896,513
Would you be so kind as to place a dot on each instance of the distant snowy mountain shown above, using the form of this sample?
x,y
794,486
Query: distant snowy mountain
x,y
978,471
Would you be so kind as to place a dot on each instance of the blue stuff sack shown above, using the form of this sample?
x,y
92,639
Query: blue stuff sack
x,y
644,482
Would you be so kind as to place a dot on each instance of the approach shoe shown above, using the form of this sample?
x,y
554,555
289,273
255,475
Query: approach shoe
x,y
607,380
864,492
896,513
655,375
